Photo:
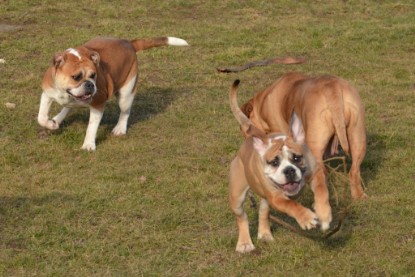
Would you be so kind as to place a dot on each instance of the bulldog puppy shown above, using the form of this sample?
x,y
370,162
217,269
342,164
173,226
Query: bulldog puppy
x,y
331,112
275,166
87,76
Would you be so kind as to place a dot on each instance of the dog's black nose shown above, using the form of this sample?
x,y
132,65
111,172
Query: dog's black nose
x,y
89,87
289,173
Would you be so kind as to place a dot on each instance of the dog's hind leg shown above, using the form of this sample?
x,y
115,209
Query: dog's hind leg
x,y
317,139
357,140
264,231
125,101
238,189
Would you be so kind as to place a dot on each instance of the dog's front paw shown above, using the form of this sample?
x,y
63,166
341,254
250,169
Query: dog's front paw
x,y
89,146
119,131
324,215
51,125
244,247
307,220
265,236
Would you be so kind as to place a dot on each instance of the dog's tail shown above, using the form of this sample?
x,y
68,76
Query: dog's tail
x,y
143,44
239,115
335,103
247,127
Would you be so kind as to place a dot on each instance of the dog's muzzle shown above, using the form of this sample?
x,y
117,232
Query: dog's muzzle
x,y
88,90
293,183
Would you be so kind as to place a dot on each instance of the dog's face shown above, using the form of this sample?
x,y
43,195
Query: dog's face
x,y
76,74
284,163
285,159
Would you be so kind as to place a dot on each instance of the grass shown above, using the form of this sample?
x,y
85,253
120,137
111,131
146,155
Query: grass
x,y
155,202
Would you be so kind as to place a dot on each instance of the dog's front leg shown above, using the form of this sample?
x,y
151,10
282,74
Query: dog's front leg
x,y
305,217
43,116
264,230
321,197
61,116
95,117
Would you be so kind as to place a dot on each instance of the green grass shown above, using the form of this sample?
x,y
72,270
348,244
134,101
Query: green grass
x,y
154,203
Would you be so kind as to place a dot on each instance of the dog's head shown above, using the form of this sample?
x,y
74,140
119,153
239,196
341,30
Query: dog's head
x,y
286,161
76,73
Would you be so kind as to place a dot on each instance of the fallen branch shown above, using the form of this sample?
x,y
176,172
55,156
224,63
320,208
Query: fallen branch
x,y
283,60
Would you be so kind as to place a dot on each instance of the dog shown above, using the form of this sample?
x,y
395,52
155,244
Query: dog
x,y
275,166
332,113
87,76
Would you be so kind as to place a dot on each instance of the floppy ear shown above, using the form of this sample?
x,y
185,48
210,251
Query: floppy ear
x,y
297,129
95,57
58,59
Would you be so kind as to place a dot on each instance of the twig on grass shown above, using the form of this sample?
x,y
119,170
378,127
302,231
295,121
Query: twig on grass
x,y
280,60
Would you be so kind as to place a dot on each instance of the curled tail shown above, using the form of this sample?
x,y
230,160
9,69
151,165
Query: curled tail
x,y
335,103
247,127
143,44
239,115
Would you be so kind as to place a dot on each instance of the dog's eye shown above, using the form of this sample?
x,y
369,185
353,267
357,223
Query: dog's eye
x,y
297,158
77,77
93,75
275,162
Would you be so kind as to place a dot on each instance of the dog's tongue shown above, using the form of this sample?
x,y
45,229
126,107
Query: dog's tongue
x,y
85,97
290,186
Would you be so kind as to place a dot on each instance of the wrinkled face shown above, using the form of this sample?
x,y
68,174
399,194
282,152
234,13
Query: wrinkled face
x,y
284,165
76,74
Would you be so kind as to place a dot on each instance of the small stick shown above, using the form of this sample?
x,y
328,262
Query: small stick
x,y
280,60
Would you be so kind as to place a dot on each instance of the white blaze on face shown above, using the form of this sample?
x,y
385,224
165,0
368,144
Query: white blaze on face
x,y
74,52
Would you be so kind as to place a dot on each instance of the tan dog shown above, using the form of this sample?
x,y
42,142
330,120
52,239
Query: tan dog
x,y
275,167
89,75
331,111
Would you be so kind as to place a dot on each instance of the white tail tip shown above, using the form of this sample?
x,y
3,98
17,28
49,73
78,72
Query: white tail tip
x,y
176,41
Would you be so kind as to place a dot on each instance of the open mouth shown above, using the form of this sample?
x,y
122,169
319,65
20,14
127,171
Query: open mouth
x,y
84,98
290,188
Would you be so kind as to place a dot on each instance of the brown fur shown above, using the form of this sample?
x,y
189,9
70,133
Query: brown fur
x,y
247,171
331,112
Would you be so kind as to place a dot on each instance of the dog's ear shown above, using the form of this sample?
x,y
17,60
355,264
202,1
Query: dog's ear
x,y
260,138
260,145
95,57
297,129
59,59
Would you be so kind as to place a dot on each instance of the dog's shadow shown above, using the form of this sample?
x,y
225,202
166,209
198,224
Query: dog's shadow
x,y
148,102
374,157
25,209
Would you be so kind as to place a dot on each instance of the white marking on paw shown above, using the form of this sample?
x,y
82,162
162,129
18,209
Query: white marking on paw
x,y
325,226
89,146
119,131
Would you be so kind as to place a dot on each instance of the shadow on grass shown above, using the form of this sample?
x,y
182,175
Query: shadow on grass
x,y
17,214
147,104
374,157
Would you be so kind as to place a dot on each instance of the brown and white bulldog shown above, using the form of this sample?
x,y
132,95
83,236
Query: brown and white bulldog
x,y
87,76
275,166
331,112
